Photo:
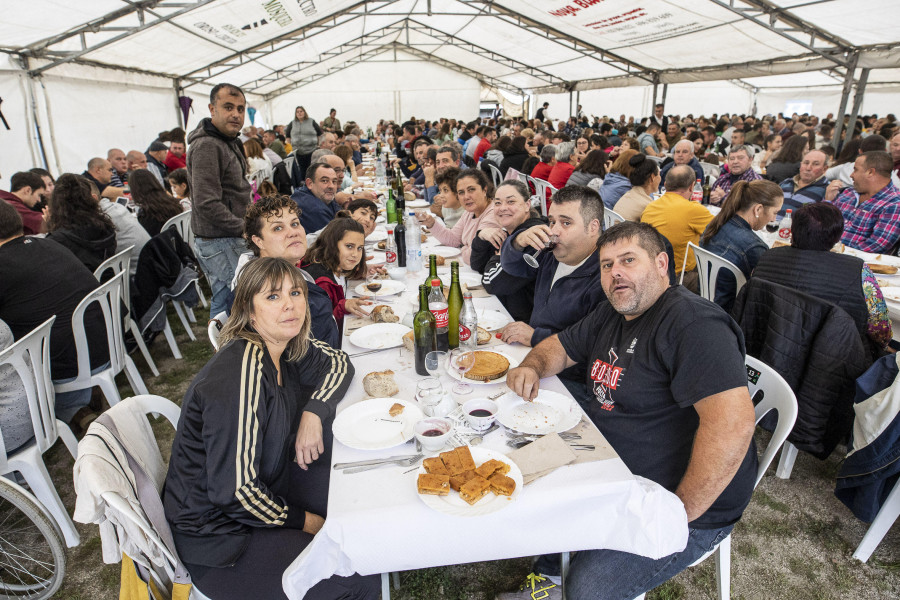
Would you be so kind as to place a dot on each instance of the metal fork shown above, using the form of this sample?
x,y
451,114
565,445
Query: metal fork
x,y
405,462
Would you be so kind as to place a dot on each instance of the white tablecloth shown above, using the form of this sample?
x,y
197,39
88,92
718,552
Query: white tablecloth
x,y
377,523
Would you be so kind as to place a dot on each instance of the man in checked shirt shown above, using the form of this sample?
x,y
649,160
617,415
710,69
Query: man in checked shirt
x,y
871,208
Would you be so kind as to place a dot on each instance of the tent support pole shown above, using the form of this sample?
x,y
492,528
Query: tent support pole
x,y
858,98
176,83
577,101
665,91
51,129
570,104
845,95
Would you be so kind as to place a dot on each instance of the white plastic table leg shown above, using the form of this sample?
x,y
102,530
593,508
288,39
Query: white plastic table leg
x,y
563,572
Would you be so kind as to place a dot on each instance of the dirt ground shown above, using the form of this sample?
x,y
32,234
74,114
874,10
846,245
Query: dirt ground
x,y
794,542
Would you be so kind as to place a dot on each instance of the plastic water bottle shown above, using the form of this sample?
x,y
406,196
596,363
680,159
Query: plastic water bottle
x,y
379,172
390,250
468,324
784,228
697,193
413,244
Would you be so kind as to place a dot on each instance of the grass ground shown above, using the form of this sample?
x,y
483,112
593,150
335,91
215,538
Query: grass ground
x,y
794,542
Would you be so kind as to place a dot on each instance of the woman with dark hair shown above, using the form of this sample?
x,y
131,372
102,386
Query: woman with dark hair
x,y
582,147
445,135
809,266
337,255
304,133
590,171
515,156
772,145
747,208
345,153
644,178
529,164
696,138
244,501
475,193
786,163
156,206
496,152
76,221
181,187
616,182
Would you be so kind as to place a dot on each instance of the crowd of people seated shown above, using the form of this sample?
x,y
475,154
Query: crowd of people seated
x,y
280,226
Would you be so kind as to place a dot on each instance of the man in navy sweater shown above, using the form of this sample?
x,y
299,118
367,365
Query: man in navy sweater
x,y
316,199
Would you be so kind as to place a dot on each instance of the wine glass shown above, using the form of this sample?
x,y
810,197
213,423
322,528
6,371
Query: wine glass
x,y
462,360
436,362
429,394
373,284
531,259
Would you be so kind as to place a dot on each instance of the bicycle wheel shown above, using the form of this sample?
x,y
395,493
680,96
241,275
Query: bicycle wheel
x,y
32,554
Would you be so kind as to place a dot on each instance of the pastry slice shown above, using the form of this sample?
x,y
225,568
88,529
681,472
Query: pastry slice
x,y
457,481
475,489
434,485
395,409
502,485
435,466
465,457
492,466
452,462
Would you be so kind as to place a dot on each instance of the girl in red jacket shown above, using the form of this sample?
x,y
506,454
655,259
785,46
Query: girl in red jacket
x,y
337,256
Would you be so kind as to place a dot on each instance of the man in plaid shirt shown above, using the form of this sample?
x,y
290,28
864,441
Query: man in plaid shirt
x,y
871,208
740,158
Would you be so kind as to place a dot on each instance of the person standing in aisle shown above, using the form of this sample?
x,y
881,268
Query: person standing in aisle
x,y
217,170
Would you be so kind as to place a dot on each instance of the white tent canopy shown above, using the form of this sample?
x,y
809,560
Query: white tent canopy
x,y
98,73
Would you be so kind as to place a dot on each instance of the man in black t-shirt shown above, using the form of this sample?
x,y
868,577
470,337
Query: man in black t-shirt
x,y
669,384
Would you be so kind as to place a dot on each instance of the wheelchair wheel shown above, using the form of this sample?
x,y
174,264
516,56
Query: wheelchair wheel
x,y
32,554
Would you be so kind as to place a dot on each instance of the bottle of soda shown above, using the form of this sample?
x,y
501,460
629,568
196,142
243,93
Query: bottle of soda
x,y
784,228
400,240
423,331
391,207
437,304
413,244
468,324
432,270
390,250
697,193
706,191
454,306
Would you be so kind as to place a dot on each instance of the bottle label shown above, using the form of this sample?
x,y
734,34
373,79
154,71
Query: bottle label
x,y
697,196
390,256
441,317
784,233
464,333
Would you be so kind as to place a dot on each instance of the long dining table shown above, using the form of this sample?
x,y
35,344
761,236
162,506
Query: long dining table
x,y
378,524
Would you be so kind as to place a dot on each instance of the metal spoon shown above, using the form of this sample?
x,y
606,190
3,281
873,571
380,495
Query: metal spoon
x,y
477,439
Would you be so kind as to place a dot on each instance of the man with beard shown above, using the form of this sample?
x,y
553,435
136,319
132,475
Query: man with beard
x,y
316,201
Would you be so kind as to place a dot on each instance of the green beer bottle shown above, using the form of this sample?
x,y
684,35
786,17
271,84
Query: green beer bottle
x,y
455,304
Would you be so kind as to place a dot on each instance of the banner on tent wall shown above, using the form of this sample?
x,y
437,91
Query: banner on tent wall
x,y
625,22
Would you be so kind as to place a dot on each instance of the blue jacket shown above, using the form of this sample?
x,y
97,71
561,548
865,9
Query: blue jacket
x,y
694,164
614,187
316,214
871,470
736,242
573,296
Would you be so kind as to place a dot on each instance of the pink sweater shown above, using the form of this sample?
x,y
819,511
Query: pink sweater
x,y
464,231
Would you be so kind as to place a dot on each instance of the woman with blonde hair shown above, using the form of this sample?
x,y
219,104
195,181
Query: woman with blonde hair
x,y
247,486
259,167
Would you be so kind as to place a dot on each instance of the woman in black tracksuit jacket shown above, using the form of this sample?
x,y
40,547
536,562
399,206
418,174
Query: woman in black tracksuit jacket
x,y
239,506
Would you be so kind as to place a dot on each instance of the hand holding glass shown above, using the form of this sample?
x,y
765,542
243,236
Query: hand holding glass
x,y
531,259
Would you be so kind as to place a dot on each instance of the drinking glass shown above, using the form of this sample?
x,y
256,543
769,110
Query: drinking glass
x,y
436,363
462,360
429,394
373,284
772,226
531,259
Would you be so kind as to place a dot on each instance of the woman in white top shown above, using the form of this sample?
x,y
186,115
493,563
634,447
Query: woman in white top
x,y
259,168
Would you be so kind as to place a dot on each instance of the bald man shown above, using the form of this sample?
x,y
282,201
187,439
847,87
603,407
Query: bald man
x,y
120,167
136,160
100,171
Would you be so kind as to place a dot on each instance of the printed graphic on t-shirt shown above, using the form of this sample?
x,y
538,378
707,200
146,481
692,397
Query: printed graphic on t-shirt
x,y
606,377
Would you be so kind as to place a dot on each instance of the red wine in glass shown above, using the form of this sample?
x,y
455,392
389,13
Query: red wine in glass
x,y
772,226
373,286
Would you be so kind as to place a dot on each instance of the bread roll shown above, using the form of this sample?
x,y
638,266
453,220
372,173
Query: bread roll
x,y
384,314
409,341
380,384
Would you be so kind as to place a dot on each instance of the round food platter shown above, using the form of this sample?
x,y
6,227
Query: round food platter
x,y
389,287
379,335
513,363
367,425
453,505
550,412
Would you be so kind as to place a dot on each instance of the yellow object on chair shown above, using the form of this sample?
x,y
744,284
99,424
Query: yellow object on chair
x,y
132,587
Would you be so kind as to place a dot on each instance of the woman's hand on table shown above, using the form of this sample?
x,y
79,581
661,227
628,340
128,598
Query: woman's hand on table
x,y
377,269
313,523
309,444
517,332
354,306
494,235
425,219
524,381
535,237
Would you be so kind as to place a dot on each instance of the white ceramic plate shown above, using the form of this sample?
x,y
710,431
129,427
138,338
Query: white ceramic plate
x,y
417,204
551,412
379,335
513,363
891,293
377,235
472,280
367,425
377,258
389,287
445,251
492,320
455,506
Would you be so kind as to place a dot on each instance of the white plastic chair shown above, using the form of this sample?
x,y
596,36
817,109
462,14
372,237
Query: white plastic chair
x,y
776,395
610,218
523,178
107,297
886,516
119,263
540,191
30,357
496,175
182,222
710,170
215,328
708,267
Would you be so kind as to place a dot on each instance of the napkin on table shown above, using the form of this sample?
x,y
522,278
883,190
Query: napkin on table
x,y
542,456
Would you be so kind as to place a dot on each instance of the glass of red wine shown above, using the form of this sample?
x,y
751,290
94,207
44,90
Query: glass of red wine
x,y
531,259
373,284
772,226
